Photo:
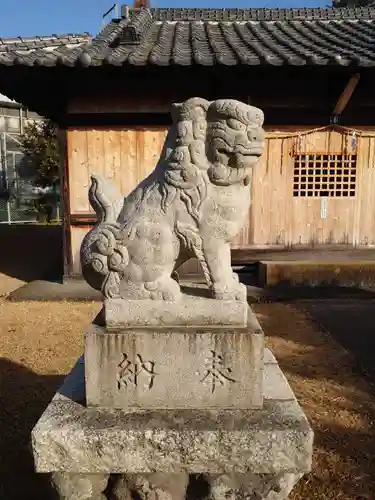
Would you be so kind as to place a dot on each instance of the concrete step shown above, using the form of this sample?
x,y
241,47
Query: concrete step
x,y
316,273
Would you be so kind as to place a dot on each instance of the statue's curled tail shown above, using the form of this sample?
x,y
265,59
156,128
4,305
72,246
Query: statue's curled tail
x,y
103,257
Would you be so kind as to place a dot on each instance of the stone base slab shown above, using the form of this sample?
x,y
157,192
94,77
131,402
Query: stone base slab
x,y
160,486
175,368
195,308
276,440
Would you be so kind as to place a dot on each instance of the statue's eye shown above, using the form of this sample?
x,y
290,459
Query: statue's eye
x,y
235,124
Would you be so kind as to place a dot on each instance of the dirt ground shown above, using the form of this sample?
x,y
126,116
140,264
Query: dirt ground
x,y
39,343
336,396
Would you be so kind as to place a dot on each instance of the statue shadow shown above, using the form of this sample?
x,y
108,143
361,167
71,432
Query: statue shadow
x,y
24,396
196,291
352,325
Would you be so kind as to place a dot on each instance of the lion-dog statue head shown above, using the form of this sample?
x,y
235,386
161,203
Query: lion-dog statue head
x,y
234,140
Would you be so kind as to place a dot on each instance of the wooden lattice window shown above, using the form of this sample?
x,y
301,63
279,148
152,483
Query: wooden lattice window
x,y
321,175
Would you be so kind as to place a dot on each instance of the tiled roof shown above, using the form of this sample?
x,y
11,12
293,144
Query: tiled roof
x,y
11,48
207,37
260,14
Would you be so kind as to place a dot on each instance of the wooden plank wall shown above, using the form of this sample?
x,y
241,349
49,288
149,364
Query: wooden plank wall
x,y
126,156
278,218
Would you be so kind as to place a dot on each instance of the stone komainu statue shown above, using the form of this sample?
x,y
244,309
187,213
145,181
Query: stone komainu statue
x,y
192,205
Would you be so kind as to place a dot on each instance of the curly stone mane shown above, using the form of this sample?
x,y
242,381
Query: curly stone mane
x,y
183,158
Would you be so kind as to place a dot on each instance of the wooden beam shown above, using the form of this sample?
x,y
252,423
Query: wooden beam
x,y
83,219
124,120
346,95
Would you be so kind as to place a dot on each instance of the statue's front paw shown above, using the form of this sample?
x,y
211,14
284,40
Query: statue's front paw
x,y
165,288
230,291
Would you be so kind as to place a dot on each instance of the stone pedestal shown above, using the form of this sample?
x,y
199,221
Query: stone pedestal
x,y
155,452
195,308
175,367
196,353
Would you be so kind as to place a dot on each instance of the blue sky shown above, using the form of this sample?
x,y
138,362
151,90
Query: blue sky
x,y
44,17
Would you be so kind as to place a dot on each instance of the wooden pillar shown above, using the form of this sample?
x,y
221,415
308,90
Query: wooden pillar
x,y
64,201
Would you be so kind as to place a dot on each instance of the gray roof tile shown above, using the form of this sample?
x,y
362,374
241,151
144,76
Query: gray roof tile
x,y
208,37
30,43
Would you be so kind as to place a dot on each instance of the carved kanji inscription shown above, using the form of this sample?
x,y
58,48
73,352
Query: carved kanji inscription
x,y
216,372
130,373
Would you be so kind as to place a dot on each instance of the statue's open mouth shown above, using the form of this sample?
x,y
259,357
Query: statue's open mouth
x,y
255,152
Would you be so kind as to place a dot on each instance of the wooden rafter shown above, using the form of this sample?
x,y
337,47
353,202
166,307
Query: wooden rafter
x,y
346,95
